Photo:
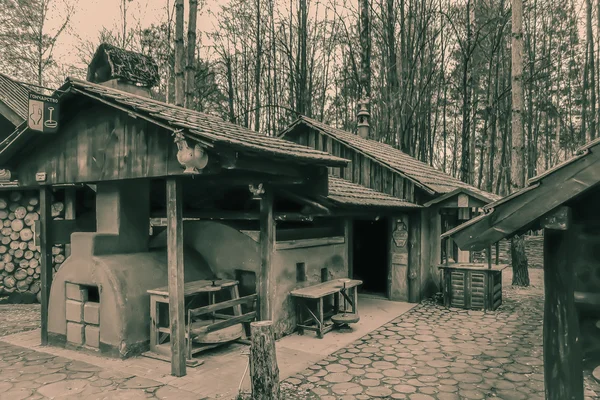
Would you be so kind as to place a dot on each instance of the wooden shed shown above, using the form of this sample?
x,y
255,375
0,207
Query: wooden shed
x,y
562,201
133,152
444,203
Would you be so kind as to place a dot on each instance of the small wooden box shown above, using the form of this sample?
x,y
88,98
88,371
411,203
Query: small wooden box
x,y
472,286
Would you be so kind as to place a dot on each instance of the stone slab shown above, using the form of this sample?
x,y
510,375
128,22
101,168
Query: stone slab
x,y
74,292
92,336
91,313
75,333
74,311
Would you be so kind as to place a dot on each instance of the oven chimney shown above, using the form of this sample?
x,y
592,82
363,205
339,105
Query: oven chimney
x,y
123,70
363,119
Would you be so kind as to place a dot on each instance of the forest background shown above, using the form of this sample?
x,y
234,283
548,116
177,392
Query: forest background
x,y
440,70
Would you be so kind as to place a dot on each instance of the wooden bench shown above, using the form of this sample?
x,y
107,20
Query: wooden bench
x,y
198,328
314,296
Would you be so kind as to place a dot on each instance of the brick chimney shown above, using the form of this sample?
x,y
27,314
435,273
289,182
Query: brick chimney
x,y
123,70
363,119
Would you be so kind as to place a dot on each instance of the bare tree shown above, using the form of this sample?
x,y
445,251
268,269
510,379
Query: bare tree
x,y
519,259
179,54
190,66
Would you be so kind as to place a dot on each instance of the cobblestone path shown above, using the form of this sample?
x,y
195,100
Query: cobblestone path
x,y
15,318
433,352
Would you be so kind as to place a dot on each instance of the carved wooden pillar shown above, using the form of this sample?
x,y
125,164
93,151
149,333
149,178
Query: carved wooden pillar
x,y
563,374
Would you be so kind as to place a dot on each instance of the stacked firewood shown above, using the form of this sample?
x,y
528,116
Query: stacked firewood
x,y
19,257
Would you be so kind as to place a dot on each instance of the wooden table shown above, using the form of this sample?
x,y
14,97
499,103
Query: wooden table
x,y
190,289
314,295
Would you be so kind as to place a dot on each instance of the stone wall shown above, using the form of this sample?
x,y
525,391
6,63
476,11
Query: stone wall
x,y
534,248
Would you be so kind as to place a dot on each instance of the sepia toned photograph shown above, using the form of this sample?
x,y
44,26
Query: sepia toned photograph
x,y
299,199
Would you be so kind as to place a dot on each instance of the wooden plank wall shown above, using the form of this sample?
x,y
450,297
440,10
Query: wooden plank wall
x,y
102,144
362,170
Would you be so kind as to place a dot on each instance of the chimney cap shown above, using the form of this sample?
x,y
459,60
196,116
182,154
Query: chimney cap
x,y
111,62
363,110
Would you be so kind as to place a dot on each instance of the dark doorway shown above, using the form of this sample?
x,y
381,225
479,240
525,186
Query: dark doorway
x,y
370,251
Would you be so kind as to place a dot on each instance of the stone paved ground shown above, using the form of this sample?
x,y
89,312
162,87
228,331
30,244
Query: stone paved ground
x,y
15,318
433,352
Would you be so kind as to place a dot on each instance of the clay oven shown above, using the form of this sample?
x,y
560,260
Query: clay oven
x,y
98,299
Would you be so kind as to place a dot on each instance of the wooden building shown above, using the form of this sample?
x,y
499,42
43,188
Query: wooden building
x,y
562,201
444,203
173,187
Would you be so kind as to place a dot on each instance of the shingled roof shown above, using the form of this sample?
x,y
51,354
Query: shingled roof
x,y
346,193
14,95
422,174
203,128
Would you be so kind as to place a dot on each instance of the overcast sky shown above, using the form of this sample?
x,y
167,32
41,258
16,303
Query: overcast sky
x,y
92,15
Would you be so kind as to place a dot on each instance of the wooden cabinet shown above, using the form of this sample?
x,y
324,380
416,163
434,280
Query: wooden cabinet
x,y
472,286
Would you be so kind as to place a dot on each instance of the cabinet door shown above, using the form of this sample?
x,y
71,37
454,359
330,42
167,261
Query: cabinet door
x,y
457,288
477,290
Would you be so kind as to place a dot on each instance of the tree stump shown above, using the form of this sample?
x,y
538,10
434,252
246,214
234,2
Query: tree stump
x,y
264,372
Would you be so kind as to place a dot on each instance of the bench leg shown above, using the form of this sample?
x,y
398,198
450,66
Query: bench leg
x,y
153,324
320,316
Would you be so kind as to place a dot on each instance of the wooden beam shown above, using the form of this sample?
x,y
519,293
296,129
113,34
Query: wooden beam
x,y
305,201
557,219
414,256
563,374
267,238
349,234
176,277
46,256
70,200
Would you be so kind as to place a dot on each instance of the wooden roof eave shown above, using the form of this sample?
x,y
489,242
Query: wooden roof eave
x,y
510,215
403,175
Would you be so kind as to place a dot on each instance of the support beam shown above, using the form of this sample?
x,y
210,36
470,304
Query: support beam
x,y
563,374
349,234
267,238
176,280
46,256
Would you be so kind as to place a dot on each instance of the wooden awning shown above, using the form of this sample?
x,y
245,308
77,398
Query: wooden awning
x,y
522,210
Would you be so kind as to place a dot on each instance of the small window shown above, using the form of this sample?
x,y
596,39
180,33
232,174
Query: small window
x,y
324,274
300,272
93,294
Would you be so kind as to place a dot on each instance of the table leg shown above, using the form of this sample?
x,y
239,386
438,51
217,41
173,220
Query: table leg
x,y
336,303
355,300
299,315
320,316
153,324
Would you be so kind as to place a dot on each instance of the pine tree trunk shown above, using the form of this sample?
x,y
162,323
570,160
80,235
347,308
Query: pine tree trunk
x,y
190,68
179,55
519,261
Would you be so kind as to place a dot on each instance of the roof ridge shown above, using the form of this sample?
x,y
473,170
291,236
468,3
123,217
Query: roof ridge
x,y
376,149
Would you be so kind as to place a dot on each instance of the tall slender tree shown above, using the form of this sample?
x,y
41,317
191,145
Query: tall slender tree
x,y
179,54
517,178
190,66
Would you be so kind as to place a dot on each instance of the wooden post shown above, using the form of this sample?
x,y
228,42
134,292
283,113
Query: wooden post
x,y
497,253
349,234
264,372
267,238
176,280
414,257
46,256
563,374
70,200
